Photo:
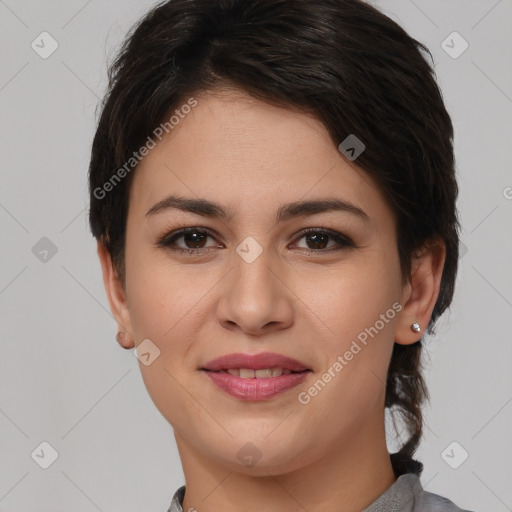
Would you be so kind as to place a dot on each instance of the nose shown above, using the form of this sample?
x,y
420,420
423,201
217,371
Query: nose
x,y
255,296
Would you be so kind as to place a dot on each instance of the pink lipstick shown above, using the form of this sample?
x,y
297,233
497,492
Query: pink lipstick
x,y
256,376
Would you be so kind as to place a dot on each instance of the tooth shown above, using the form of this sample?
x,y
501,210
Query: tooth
x,y
263,374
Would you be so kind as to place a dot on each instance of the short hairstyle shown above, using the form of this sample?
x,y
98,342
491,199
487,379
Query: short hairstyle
x,y
344,62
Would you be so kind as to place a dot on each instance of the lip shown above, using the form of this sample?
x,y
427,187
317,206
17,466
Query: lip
x,y
255,362
255,389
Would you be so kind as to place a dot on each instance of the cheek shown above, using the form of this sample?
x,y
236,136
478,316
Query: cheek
x,y
170,306
353,297
355,351
161,295
161,309
357,305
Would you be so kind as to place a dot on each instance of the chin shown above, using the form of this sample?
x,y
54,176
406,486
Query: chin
x,y
249,459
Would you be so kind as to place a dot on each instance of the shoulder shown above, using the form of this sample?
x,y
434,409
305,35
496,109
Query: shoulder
x,y
424,501
434,503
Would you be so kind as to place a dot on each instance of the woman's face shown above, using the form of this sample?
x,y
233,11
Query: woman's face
x,y
305,296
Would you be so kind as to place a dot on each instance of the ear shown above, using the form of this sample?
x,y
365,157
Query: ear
x,y
116,297
420,294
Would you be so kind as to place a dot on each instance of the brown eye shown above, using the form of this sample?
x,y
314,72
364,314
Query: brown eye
x,y
194,240
318,240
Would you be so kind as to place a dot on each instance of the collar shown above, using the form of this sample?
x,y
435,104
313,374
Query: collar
x,y
404,495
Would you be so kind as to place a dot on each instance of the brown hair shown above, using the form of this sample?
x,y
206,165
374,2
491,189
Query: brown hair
x,y
341,60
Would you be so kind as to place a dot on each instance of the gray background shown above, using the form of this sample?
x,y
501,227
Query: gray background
x,y
63,377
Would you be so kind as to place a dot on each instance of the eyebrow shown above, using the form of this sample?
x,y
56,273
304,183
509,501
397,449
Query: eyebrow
x,y
285,212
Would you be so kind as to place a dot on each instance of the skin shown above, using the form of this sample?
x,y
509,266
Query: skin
x,y
251,157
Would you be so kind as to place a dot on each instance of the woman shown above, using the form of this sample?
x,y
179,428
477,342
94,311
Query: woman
x,y
274,199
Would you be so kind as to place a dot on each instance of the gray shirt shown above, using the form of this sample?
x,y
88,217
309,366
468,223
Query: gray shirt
x,y
405,495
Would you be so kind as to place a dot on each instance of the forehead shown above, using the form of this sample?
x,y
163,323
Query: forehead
x,y
250,156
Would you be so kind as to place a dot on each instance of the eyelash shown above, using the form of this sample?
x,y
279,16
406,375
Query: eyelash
x,y
169,239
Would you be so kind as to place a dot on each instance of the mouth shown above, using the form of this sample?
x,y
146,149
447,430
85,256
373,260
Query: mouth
x,y
261,365
255,377
251,373
248,384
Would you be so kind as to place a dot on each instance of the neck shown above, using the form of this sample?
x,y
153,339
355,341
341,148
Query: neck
x,y
352,474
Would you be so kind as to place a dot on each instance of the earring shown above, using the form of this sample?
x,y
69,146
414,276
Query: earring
x,y
416,327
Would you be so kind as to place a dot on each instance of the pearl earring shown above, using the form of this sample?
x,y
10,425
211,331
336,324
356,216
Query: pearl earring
x,y
416,327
